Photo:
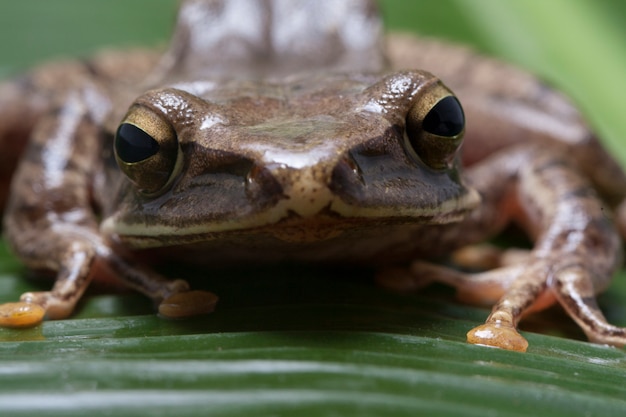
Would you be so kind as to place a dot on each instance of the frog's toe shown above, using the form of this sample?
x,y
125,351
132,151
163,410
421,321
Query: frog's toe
x,y
497,335
55,307
486,256
188,304
574,288
609,335
21,314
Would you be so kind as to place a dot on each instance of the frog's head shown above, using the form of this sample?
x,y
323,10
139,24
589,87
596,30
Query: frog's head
x,y
300,159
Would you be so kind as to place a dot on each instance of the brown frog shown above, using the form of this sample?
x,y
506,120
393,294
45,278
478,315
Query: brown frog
x,y
297,131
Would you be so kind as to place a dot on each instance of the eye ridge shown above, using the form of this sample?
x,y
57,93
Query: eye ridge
x,y
445,118
132,144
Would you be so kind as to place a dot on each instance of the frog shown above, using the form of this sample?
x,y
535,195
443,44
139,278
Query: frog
x,y
299,131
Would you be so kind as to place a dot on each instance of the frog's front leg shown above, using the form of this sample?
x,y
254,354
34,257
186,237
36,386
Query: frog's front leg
x,y
49,219
576,247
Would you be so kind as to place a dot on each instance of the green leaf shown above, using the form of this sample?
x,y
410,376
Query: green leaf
x,y
309,342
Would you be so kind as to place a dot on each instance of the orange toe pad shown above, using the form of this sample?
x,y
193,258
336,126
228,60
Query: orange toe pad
x,y
188,304
500,336
21,314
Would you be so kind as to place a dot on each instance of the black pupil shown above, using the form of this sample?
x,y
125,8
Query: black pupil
x,y
445,118
133,144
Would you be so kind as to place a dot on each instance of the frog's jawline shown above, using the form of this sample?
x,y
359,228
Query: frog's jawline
x,y
319,239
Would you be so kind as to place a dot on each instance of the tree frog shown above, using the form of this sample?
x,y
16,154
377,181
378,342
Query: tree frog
x,y
297,131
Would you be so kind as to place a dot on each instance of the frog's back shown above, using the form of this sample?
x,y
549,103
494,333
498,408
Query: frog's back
x,y
274,38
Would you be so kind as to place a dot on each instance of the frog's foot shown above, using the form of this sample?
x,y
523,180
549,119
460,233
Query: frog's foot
x,y
32,308
176,300
514,290
56,307
174,297
526,290
538,286
21,315
498,334
188,304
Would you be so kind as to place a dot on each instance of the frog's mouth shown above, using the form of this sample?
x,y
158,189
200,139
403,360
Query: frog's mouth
x,y
289,222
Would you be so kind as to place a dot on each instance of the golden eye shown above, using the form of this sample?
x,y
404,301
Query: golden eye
x,y
435,126
147,150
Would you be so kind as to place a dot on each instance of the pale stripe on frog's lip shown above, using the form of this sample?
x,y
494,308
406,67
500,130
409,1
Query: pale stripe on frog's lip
x,y
146,236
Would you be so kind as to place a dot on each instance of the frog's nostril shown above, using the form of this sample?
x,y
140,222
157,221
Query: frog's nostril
x,y
261,185
350,164
345,176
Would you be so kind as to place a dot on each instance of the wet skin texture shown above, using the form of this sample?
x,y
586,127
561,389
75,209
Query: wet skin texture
x,y
319,141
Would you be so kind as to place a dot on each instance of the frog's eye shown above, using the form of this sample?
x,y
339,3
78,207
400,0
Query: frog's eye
x,y
434,127
147,150
133,144
445,118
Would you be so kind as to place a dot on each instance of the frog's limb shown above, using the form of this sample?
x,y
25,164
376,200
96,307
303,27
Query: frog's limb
x,y
75,269
501,266
72,280
27,99
68,249
484,288
576,248
174,298
509,108
574,289
525,292
49,220
572,286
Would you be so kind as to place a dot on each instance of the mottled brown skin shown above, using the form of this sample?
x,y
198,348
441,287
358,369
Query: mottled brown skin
x,y
273,152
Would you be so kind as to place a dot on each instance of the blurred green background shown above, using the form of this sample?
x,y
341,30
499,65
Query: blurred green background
x,y
322,347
